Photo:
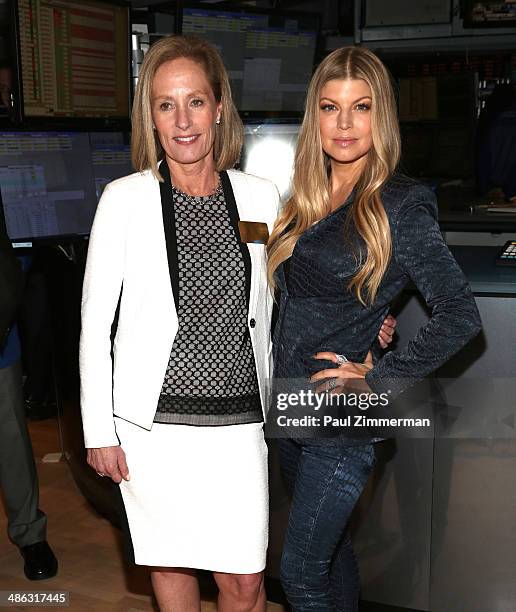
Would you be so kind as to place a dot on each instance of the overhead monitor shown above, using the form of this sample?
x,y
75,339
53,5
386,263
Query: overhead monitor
x,y
110,158
489,14
74,59
269,55
50,182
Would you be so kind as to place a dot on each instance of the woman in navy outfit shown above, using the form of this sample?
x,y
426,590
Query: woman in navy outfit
x,y
348,240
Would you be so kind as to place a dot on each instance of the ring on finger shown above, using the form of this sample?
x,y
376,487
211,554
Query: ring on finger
x,y
340,358
101,474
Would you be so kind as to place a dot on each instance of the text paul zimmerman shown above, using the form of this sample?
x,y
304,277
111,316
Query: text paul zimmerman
x,y
362,401
356,420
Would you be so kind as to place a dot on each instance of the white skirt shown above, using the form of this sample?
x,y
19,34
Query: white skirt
x,y
198,496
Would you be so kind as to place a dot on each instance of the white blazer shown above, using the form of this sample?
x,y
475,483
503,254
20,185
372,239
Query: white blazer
x,y
127,255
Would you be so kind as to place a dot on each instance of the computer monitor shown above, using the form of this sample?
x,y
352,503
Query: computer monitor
x,y
489,14
110,156
47,184
50,182
268,152
269,55
74,59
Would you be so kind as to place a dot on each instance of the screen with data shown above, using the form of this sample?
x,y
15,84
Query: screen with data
x,y
110,158
269,57
74,58
51,182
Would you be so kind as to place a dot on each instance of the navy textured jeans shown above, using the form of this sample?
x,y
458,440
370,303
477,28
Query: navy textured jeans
x,y
326,478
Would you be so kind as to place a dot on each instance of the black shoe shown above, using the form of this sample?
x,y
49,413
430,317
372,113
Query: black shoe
x,y
40,561
40,410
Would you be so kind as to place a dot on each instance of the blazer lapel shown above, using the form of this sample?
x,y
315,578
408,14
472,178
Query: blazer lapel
x,y
169,225
235,218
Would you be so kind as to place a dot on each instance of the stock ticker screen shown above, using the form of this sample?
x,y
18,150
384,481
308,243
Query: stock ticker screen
x,y
74,58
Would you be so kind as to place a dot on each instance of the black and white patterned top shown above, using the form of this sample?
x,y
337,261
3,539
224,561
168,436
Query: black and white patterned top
x,y
211,375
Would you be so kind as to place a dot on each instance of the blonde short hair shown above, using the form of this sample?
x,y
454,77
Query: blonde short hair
x,y
146,149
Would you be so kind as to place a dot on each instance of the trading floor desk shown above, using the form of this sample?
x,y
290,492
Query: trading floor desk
x,y
439,529
435,528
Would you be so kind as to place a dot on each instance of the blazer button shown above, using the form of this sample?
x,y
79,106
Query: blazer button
x,y
252,323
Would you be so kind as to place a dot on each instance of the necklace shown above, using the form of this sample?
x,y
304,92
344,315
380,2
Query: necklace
x,y
213,192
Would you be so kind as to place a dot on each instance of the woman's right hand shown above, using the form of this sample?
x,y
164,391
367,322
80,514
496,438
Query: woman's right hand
x,y
109,461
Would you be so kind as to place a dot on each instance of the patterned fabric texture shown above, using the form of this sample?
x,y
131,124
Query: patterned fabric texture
x,y
319,313
211,374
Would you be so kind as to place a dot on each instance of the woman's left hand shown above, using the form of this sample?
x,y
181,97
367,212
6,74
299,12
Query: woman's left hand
x,y
338,378
387,331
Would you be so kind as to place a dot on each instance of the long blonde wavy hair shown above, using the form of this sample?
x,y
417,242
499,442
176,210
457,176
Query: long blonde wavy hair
x,y
310,199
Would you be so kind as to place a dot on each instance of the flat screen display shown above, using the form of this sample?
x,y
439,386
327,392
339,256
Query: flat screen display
x,y
51,182
74,58
489,14
269,57
110,158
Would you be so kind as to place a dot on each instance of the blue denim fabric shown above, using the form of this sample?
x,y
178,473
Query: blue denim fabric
x,y
318,567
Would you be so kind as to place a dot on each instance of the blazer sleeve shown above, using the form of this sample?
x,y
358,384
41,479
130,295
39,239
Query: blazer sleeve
x,y
103,280
420,251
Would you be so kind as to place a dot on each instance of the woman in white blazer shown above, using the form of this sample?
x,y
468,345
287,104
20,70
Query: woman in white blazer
x,y
173,408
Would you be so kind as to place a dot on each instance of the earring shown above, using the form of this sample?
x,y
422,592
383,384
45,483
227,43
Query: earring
x,y
218,121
